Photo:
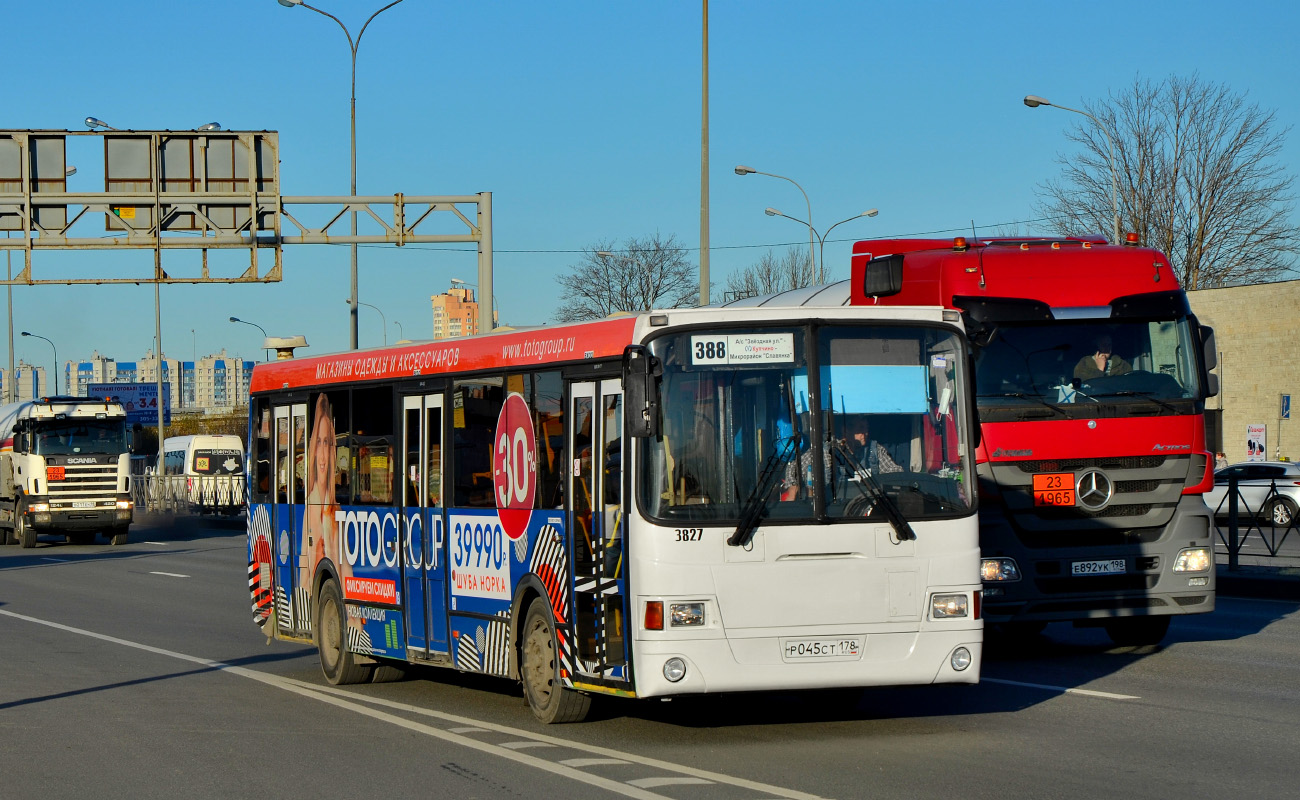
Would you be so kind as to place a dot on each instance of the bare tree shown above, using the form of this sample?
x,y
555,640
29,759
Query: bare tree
x,y
1199,178
770,275
640,274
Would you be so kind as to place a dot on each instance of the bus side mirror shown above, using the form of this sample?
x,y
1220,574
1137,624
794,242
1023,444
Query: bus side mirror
x,y
641,373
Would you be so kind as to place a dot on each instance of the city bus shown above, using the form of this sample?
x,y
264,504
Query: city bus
x,y
776,493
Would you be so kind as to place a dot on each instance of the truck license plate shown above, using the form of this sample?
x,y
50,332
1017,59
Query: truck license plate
x,y
1114,566
846,647
83,503
1054,489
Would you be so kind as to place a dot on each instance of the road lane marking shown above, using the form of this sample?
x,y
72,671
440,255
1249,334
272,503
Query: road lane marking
x,y
1062,689
360,704
170,574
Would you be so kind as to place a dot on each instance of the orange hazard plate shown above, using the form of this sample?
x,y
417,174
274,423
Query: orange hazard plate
x,y
54,473
1054,489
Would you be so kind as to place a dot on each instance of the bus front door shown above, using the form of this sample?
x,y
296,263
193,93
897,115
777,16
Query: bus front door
x,y
423,561
295,565
596,533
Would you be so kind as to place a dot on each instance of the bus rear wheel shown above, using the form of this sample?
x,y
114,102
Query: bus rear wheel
x,y
1137,631
548,697
336,661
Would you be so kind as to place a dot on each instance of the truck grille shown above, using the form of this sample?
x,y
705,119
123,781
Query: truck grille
x,y
85,482
1146,491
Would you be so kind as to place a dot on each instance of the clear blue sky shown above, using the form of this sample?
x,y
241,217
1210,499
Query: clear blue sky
x,y
583,120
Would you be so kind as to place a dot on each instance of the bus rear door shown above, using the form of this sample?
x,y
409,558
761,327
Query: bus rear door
x,y
596,532
290,471
424,562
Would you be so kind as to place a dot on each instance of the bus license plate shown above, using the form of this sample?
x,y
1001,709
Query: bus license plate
x,y
845,647
1114,566
1054,489
83,503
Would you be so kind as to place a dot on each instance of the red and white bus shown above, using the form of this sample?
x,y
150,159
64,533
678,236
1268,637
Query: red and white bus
x,y
773,494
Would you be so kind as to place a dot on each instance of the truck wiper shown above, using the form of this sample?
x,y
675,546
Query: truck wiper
x,y
1143,395
870,486
755,505
1023,396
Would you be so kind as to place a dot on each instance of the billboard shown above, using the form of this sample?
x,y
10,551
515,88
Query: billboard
x,y
139,399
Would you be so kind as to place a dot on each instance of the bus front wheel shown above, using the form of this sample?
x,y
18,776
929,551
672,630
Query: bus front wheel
x,y
336,661
550,700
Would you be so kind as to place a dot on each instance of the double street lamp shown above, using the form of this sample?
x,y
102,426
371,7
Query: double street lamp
x,y
821,237
352,46
1034,101
56,358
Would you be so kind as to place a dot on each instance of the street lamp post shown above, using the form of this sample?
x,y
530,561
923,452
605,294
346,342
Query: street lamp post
x,y
255,325
821,237
352,45
56,358
743,170
1034,101
381,316
401,334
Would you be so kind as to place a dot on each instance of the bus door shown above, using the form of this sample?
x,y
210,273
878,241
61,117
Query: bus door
x,y
597,529
424,561
290,471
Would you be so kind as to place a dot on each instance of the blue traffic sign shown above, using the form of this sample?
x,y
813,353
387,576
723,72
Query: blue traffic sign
x,y
1286,406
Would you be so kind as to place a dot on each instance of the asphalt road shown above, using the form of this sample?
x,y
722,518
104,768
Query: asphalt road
x,y
137,672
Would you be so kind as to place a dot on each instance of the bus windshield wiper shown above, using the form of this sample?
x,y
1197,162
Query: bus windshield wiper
x,y
870,486
1023,396
755,505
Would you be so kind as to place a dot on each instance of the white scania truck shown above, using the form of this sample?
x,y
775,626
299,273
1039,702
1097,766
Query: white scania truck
x,y
64,468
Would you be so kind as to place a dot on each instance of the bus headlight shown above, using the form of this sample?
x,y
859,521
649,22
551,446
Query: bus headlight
x,y
1193,559
999,569
674,670
960,659
947,606
685,614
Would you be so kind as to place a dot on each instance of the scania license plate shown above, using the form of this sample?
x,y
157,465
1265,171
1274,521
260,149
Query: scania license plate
x,y
83,503
847,648
1114,566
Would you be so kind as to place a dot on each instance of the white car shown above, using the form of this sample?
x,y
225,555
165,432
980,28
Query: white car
x,y
1255,486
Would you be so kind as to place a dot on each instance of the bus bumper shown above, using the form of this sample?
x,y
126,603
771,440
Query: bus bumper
x,y
757,663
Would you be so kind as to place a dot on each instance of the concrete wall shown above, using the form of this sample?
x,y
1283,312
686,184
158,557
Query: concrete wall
x,y
1257,329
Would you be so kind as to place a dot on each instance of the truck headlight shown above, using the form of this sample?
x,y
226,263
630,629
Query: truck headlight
x,y
999,569
38,507
948,606
1193,559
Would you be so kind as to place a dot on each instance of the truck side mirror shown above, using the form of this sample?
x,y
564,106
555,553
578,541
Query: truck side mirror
x,y
641,373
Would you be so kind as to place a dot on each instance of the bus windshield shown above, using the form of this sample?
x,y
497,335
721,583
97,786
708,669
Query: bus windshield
x,y
1087,361
741,429
65,437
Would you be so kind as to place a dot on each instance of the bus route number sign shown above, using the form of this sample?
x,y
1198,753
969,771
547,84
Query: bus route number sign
x,y
1054,489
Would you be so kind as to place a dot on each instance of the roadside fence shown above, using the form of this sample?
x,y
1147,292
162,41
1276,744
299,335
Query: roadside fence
x,y
188,494
1260,520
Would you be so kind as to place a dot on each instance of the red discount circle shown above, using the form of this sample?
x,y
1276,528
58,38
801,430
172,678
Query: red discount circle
x,y
514,465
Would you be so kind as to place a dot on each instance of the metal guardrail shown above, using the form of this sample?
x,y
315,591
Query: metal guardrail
x,y
188,494
1233,538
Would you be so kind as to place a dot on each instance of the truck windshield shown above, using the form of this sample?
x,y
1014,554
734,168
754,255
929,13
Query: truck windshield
x,y
1087,361
742,431
81,437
